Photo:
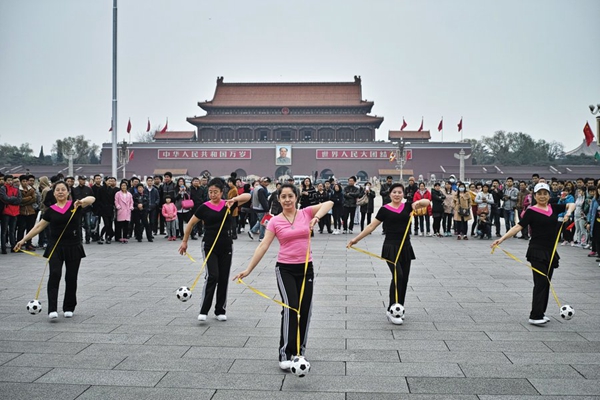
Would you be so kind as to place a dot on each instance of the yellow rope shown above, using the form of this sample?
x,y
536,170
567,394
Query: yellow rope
x,y
535,269
209,251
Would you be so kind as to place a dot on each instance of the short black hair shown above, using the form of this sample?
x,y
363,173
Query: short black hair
x,y
169,174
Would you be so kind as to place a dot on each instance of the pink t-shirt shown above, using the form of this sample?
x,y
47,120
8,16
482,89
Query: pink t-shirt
x,y
293,239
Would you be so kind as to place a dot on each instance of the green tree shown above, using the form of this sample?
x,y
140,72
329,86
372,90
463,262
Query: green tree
x,y
81,148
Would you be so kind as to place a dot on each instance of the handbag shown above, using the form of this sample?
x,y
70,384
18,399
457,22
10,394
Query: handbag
x,y
265,219
464,212
362,201
187,203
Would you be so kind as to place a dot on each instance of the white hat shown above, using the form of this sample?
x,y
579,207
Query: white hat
x,y
541,186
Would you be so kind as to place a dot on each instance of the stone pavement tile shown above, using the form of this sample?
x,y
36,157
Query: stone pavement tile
x,y
197,340
486,397
108,319
479,327
35,391
102,377
519,371
275,323
277,395
401,369
22,336
588,371
313,343
454,357
136,393
162,363
5,357
271,382
537,335
99,349
585,387
591,336
270,367
105,361
194,329
410,325
16,325
470,386
21,374
113,338
418,334
388,396
553,358
356,384
574,347
72,326
497,345
41,347
391,344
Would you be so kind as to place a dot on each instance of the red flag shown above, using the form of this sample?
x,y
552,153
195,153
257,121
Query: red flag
x,y
404,124
148,126
163,130
589,135
441,125
129,126
421,127
131,155
460,125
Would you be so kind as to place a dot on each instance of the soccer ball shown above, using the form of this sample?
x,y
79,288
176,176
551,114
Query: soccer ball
x,y
300,366
183,293
34,307
567,312
397,310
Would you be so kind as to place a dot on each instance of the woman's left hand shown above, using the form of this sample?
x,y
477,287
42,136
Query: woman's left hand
x,y
313,222
351,243
229,203
77,203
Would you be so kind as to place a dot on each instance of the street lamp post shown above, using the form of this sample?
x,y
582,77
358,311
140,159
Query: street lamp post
x,y
401,157
596,111
124,156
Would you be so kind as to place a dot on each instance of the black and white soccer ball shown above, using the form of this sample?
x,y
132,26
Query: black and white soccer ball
x,y
567,312
34,307
183,293
300,366
397,310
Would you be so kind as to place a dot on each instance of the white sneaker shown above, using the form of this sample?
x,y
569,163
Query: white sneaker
x,y
395,321
68,314
222,317
53,315
538,322
546,319
285,365
241,230
421,234
350,232
201,317
429,234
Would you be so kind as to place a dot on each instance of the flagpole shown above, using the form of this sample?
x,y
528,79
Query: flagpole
x,y
114,92
442,129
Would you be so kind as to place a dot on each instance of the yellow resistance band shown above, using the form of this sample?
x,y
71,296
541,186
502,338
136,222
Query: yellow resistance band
x,y
535,269
397,255
37,293
209,251
258,292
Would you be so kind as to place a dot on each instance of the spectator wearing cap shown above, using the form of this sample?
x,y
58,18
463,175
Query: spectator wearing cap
x,y
80,192
544,223
260,205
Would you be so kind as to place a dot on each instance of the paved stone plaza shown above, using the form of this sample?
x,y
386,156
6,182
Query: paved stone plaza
x,y
465,336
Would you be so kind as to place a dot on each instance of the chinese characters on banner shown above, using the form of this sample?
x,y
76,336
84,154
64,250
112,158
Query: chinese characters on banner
x,y
212,154
351,154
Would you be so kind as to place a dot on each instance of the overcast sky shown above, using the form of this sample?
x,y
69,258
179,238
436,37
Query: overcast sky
x,y
530,66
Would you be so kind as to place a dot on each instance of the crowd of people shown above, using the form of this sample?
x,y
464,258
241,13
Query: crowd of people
x,y
219,210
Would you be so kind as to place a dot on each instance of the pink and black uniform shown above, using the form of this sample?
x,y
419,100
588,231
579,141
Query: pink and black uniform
x,y
395,223
68,251
544,228
293,243
216,275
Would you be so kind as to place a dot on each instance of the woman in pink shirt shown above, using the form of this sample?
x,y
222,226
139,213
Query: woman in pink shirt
x,y
292,229
124,205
